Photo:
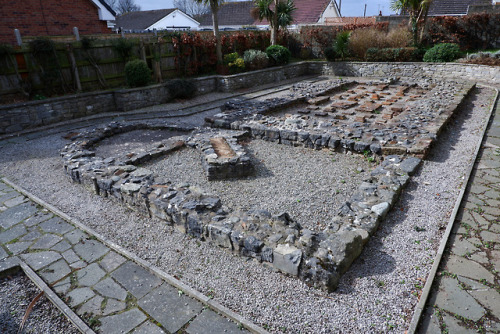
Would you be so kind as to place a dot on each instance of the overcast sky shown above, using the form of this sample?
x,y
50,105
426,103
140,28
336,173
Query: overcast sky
x,y
349,7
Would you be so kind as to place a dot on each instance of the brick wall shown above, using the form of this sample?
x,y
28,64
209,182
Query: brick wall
x,y
48,18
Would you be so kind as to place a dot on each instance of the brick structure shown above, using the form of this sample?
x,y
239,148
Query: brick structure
x,y
49,18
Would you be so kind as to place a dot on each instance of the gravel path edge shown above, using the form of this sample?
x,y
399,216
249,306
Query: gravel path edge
x,y
444,240
216,306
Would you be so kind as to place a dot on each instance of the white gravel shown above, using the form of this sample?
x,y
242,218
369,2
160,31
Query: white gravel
x,y
16,293
310,185
374,296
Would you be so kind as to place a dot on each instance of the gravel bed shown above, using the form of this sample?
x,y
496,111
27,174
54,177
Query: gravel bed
x,y
377,294
16,293
310,185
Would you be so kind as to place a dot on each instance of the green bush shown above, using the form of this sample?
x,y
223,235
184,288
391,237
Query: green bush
x,y
137,73
393,54
342,43
255,59
181,89
330,54
230,58
443,52
279,55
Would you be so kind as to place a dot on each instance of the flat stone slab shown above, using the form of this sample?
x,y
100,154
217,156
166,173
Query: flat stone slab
x,y
112,261
148,328
137,280
79,295
90,275
41,259
75,236
453,299
16,214
210,322
169,307
56,225
3,254
123,322
12,233
46,242
110,288
55,271
90,250
467,268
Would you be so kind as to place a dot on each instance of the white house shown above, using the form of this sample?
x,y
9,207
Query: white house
x,y
160,19
106,13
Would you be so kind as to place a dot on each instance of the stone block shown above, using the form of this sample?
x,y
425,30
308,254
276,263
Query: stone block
x,y
287,259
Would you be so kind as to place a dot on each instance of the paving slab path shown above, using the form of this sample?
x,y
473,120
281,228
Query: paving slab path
x,y
466,294
111,292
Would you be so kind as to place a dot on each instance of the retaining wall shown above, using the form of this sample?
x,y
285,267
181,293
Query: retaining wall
x,y
22,116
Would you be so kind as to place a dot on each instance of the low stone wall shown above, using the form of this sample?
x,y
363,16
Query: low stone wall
x,y
22,116
472,72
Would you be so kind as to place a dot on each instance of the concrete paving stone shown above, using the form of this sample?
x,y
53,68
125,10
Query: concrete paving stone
x,y
79,296
480,257
90,250
3,253
172,310
478,189
210,322
494,203
490,218
488,236
93,306
429,324
109,288
472,284
8,196
462,246
37,218
8,262
148,328
495,259
90,275
467,268
136,279
490,210
123,322
476,199
70,256
495,228
12,234
63,286
18,247
2,208
75,236
14,201
4,187
16,214
56,225
40,259
46,241
31,236
61,246
112,261
113,306
78,265
452,298
55,271
454,326
480,220
489,298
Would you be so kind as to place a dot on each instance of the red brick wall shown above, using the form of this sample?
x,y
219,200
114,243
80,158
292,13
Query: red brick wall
x,y
48,18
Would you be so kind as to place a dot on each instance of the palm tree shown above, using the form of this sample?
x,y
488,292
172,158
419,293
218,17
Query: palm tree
x,y
214,7
418,10
280,16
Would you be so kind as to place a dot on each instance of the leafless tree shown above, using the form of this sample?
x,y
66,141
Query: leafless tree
x,y
191,7
126,6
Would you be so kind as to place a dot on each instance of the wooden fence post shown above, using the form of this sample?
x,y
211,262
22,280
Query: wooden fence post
x,y
74,68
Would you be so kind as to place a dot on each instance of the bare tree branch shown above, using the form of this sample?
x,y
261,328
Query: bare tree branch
x,y
191,7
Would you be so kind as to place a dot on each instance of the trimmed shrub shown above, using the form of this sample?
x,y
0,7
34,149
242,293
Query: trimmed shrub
x,y
363,39
443,52
237,66
392,54
279,55
230,58
180,88
342,44
330,54
255,59
137,73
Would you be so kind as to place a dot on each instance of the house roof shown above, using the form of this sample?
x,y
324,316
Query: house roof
x,y
231,14
453,7
309,11
142,19
107,6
